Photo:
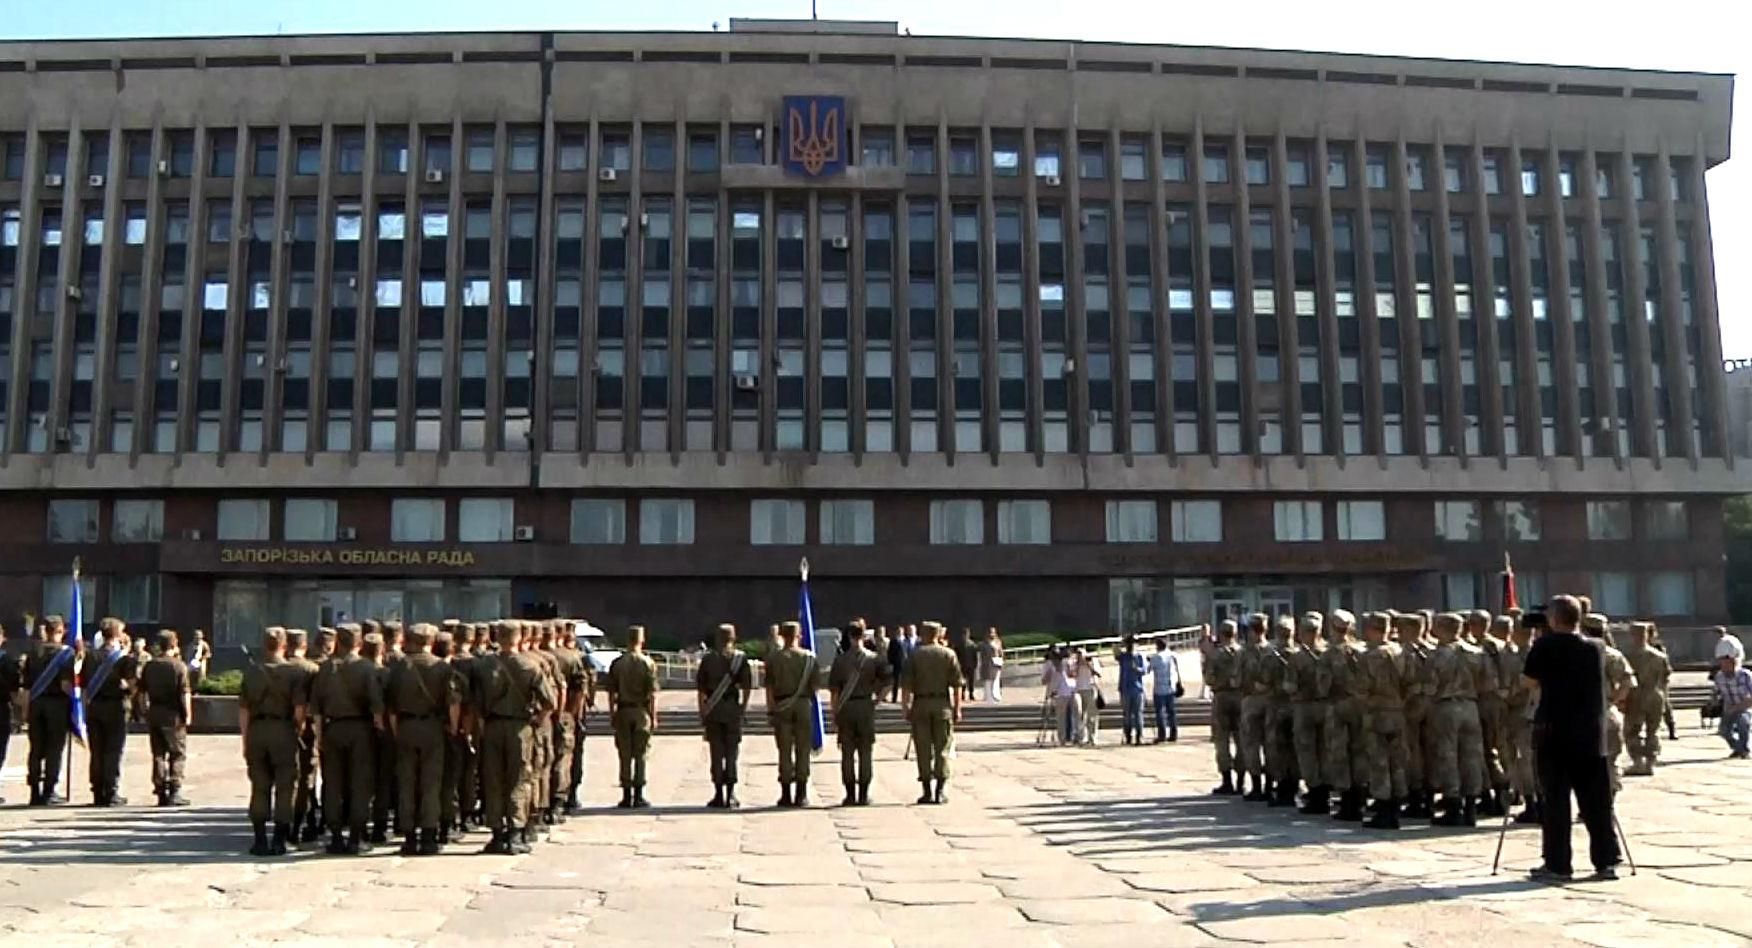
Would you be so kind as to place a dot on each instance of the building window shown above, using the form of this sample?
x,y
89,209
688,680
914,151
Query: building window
x,y
72,521
1024,521
1671,594
1297,521
1460,591
1196,521
776,522
1609,520
598,520
416,520
1131,521
1458,520
666,522
1665,520
1361,520
848,522
58,597
243,520
1615,593
310,520
132,599
1518,520
957,522
483,520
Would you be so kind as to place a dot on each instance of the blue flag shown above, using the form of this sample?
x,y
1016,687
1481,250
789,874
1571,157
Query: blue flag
x,y
806,617
76,620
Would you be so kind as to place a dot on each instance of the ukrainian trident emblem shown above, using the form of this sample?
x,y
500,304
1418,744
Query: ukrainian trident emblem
x,y
815,135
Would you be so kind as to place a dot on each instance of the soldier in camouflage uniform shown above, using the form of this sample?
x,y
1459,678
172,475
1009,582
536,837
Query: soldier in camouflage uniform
x,y
1519,701
1345,760
305,824
1489,655
1255,703
1222,674
1306,692
1418,697
1643,710
1456,741
1617,683
1382,691
1280,741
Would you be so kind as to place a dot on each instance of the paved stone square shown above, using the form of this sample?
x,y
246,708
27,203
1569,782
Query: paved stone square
x,y
1079,847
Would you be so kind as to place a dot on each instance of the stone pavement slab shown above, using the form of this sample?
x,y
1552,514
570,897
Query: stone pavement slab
x,y
1038,847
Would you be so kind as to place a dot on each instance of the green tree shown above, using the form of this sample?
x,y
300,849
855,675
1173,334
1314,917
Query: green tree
x,y
1737,527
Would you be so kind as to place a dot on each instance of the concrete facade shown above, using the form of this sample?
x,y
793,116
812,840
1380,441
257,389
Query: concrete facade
x,y
555,266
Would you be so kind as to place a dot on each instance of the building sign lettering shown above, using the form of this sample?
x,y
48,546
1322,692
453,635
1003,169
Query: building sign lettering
x,y
342,556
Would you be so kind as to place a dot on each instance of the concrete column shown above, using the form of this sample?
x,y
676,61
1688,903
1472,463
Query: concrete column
x,y
677,292
1642,437
1332,425
109,294
1529,410
812,324
237,304
1246,346
1164,352
453,294
1559,311
501,211
1677,371
1369,328
1704,305
988,293
1031,295
66,277
194,280
1201,289
1410,332
632,419
279,281
24,282
1283,258
592,279
1600,324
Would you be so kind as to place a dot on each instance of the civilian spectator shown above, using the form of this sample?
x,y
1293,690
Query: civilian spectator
x,y
1728,644
991,665
1131,691
1087,669
1165,688
1733,685
1061,687
1569,739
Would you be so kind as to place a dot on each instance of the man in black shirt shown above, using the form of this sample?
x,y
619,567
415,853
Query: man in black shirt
x,y
1569,736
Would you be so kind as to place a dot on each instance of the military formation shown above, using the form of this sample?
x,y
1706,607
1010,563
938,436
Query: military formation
x,y
1416,716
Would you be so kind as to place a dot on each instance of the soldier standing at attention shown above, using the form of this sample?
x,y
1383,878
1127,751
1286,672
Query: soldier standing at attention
x,y
1280,743
585,702
375,652
271,707
854,681
1418,696
541,638
109,678
931,702
513,699
1382,677
1254,705
304,791
1306,686
165,683
723,682
1488,645
790,681
444,650
632,706
421,699
347,700
1456,741
1518,701
1222,671
566,723
1642,712
1345,760
48,673
465,744
1617,683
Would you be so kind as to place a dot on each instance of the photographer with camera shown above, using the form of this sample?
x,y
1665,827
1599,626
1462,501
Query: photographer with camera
x,y
1569,739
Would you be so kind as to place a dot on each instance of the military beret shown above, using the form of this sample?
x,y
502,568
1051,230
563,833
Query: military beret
x,y
1343,617
1594,622
167,639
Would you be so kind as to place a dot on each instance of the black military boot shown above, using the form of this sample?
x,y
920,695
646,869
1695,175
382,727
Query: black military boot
x,y
1284,794
1494,803
1418,807
174,797
1451,812
260,846
379,833
1386,815
784,793
359,842
428,842
277,845
573,808
1257,794
1318,802
498,845
1531,815
1227,788
1350,806
942,794
444,835
337,843
36,796
927,796
626,800
1468,812
801,797
851,795
717,797
730,801
639,801
864,793
410,843
519,842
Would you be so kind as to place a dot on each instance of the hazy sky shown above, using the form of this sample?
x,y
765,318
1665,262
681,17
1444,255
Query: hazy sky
x,y
1671,34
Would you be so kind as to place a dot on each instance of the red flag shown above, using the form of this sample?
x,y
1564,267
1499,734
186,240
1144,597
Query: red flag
x,y
1510,600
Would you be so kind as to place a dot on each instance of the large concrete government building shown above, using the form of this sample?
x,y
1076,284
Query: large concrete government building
x,y
1035,334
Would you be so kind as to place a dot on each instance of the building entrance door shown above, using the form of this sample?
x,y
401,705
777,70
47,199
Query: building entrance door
x,y
1229,604
1277,601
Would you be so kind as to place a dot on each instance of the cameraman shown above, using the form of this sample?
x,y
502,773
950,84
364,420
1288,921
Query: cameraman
x,y
1569,738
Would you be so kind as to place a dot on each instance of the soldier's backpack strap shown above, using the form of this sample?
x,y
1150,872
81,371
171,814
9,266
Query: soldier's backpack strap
x,y
724,685
804,686
852,685
47,676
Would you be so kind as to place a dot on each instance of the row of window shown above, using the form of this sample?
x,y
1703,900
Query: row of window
x,y
853,521
1616,594
915,149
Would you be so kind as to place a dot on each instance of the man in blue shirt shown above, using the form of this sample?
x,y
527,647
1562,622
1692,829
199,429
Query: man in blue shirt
x,y
1131,691
1165,687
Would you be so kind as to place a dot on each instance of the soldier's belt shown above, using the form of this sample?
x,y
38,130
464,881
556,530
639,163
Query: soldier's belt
x,y
850,698
416,717
334,718
269,717
932,694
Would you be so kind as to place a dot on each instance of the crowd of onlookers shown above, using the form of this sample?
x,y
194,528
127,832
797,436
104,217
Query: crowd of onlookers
x,y
1076,681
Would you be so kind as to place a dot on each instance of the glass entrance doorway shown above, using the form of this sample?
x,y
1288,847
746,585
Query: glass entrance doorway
x,y
242,607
